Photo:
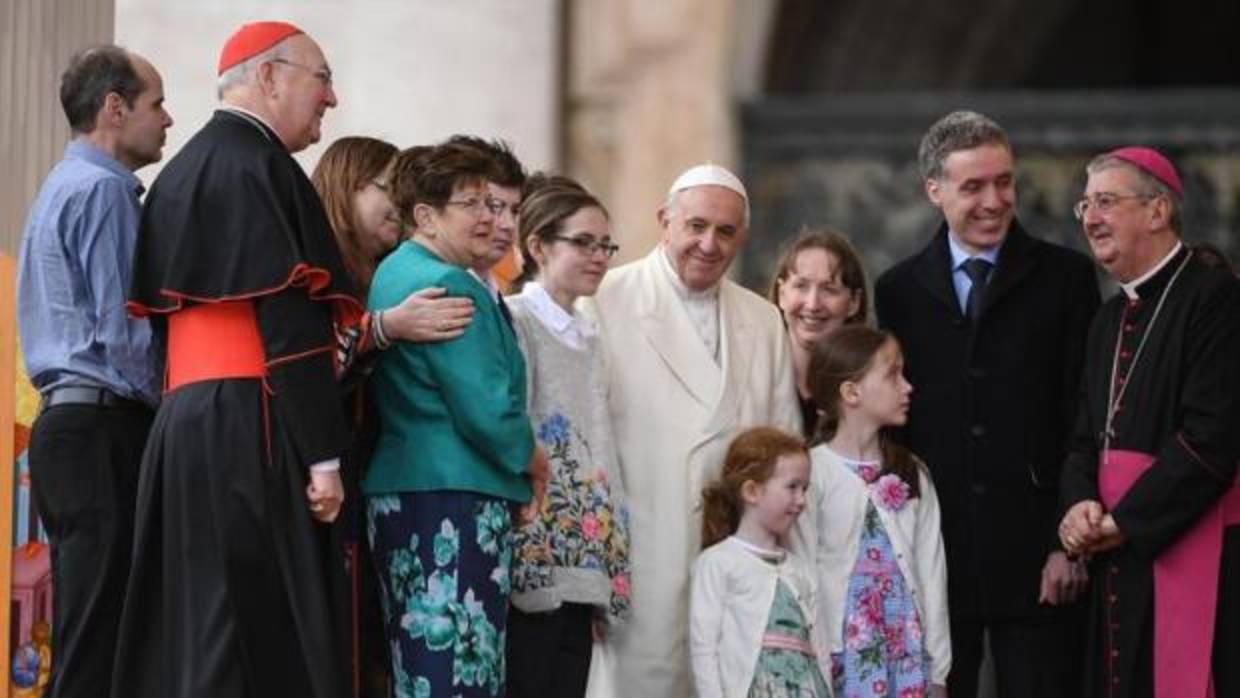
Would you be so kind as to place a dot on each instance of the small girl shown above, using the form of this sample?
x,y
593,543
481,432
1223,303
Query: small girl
x,y
752,629
874,526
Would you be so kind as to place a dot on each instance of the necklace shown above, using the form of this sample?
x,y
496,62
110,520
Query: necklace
x,y
1114,396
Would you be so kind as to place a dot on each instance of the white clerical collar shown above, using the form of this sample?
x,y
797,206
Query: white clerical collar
x,y
681,289
251,116
1130,287
570,327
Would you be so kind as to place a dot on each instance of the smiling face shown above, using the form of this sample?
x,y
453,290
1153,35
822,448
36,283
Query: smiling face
x,y
703,229
776,503
813,298
567,269
461,231
1131,235
376,222
301,92
977,194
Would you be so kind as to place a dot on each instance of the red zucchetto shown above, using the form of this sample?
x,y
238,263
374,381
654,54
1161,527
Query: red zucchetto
x,y
1153,162
252,39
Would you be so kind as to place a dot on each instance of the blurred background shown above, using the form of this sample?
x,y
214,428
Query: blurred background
x,y
818,104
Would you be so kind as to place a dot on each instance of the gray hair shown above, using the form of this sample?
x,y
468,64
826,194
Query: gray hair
x,y
245,71
959,130
673,198
1147,185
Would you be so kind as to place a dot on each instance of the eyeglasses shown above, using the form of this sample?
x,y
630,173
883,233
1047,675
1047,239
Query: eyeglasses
x,y
476,206
323,74
589,245
1105,202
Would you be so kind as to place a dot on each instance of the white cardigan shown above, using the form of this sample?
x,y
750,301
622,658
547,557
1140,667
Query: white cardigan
x,y
731,595
829,532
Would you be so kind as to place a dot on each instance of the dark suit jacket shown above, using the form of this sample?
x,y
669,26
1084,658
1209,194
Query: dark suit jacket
x,y
993,407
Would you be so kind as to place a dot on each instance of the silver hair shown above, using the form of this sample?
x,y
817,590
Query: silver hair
x,y
245,71
673,197
959,130
1147,185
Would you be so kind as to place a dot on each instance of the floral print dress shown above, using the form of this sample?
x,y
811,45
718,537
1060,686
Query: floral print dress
x,y
444,563
883,651
787,665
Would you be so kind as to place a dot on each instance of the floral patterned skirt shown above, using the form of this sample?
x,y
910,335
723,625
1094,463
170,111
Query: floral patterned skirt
x,y
443,562
787,667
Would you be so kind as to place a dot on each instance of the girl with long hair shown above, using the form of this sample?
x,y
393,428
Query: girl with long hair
x,y
874,527
752,604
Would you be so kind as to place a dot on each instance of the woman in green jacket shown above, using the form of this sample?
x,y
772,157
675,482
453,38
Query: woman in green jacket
x,y
456,454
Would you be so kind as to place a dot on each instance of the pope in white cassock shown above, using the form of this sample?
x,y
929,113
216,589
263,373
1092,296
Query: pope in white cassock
x,y
693,359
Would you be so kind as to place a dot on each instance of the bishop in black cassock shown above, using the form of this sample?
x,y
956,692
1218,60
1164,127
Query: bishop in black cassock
x,y
1149,485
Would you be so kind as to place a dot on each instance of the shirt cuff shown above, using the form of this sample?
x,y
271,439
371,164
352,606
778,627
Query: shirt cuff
x,y
326,466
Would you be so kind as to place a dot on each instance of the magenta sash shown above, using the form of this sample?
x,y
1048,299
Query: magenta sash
x,y
1185,584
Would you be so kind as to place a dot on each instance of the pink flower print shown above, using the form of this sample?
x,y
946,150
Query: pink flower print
x,y
867,472
912,627
590,527
620,585
894,636
873,554
858,633
879,686
892,492
913,692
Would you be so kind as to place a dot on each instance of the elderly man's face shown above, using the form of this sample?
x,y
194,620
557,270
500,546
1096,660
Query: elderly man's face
x,y
703,230
1121,230
303,92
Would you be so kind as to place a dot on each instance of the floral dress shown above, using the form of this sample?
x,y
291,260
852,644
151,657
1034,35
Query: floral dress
x,y
444,561
883,652
787,666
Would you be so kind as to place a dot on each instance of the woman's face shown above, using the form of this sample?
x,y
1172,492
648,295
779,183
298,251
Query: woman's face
x,y
813,299
375,219
573,265
462,230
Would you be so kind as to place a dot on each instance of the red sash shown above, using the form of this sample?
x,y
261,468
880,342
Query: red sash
x,y
212,341
1185,583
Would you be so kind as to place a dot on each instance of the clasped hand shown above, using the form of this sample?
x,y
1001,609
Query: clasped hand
x,y
1087,529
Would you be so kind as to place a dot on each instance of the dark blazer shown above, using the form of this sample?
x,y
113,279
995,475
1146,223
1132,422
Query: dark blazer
x,y
993,407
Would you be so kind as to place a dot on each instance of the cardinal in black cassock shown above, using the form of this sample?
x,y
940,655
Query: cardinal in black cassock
x,y
235,576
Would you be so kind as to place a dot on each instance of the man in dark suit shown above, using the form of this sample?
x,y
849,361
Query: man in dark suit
x,y
993,325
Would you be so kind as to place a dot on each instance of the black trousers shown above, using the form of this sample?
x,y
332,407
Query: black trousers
x,y
1033,658
549,653
84,462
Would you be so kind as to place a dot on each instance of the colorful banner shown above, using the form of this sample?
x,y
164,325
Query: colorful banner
x,y
25,563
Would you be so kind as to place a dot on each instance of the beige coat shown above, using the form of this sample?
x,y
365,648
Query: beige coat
x,y
675,411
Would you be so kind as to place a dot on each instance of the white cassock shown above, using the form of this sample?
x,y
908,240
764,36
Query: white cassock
x,y
675,407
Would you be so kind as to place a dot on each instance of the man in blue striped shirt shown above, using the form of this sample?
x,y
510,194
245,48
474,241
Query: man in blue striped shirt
x,y
96,369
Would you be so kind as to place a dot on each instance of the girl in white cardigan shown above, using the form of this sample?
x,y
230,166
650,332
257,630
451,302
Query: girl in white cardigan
x,y
873,526
752,610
